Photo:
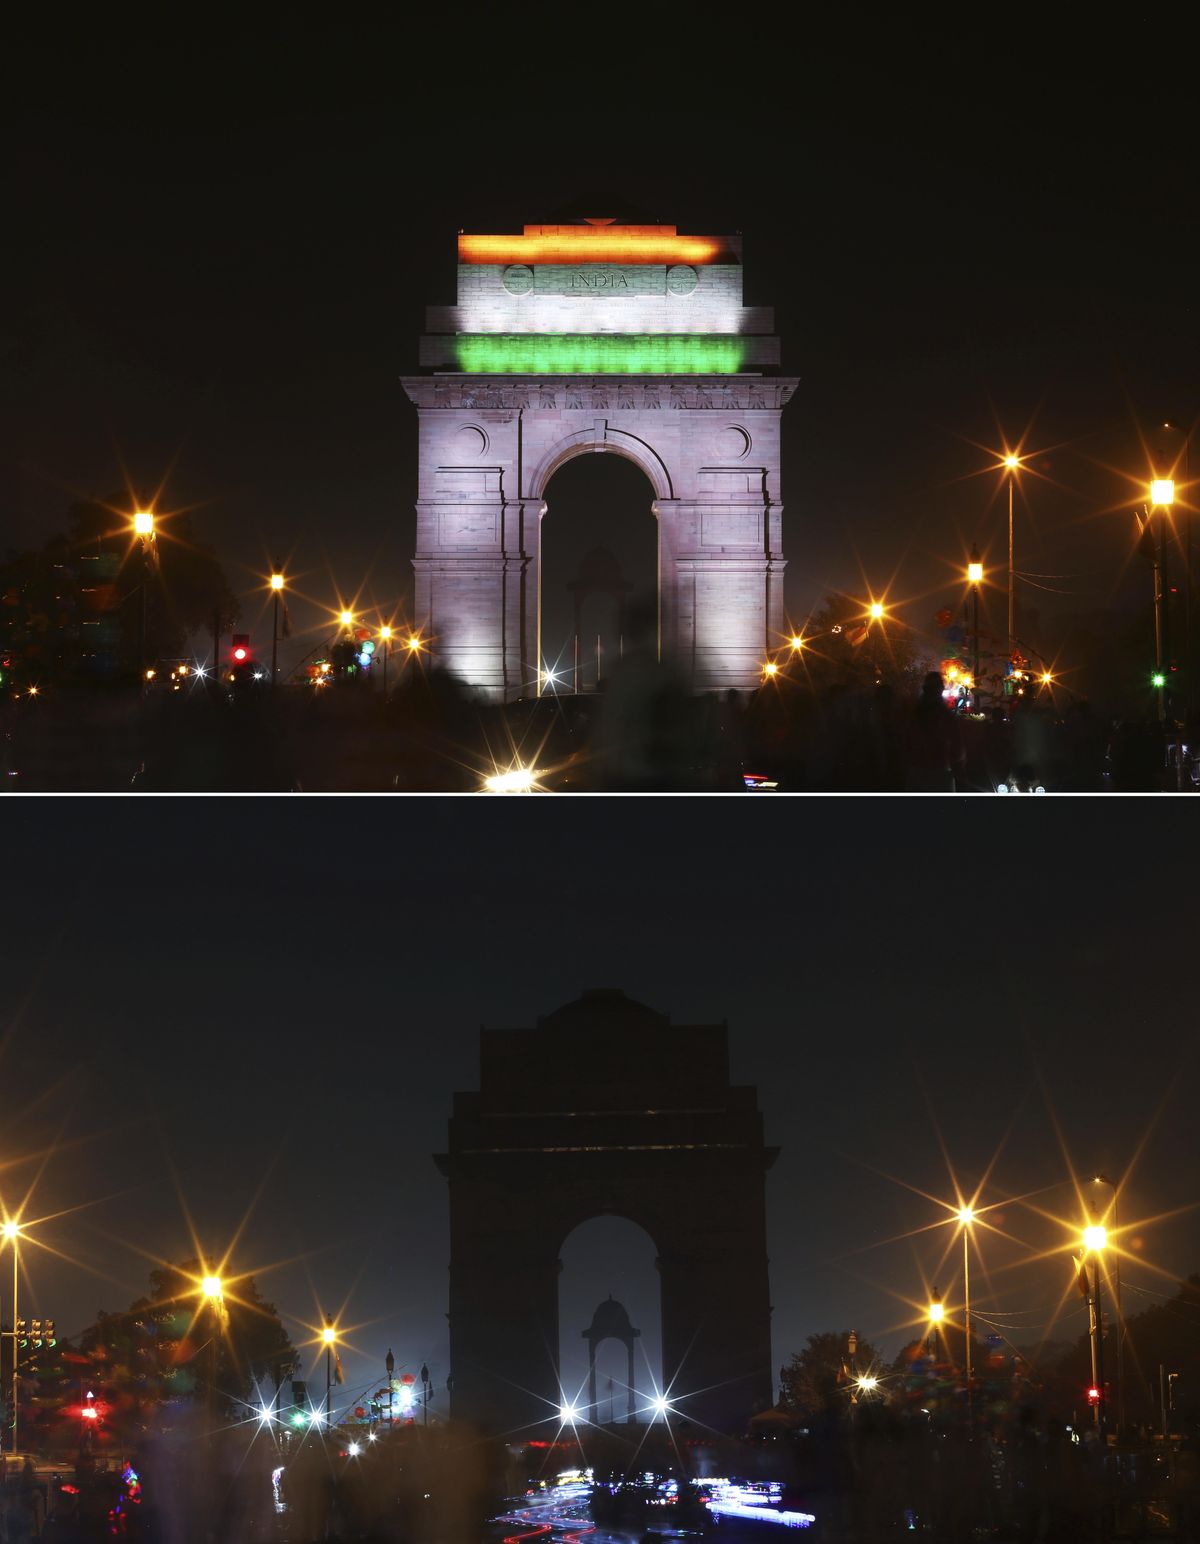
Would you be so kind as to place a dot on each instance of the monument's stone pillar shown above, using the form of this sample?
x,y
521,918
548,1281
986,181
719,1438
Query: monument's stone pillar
x,y
631,340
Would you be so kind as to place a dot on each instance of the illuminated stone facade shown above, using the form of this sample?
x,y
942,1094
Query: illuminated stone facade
x,y
607,1108
640,347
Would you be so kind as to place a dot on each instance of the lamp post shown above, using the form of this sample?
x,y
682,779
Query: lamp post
x,y
385,637
12,1233
975,579
966,1216
276,587
1011,462
389,1362
213,1289
425,1392
143,529
328,1335
1094,1240
1103,1179
1162,496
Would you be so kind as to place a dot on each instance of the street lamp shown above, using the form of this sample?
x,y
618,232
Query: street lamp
x,y
1095,1238
329,1336
12,1234
966,1217
975,579
796,643
346,618
276,587
143,529
937,1313
1162,496
212,1288
1103,1179
875,611
1011,463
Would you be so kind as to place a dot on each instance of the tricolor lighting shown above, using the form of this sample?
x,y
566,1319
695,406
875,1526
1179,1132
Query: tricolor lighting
x,y
594,244
598,354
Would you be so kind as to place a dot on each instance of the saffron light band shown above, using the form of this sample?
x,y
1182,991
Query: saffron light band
x,y
595,244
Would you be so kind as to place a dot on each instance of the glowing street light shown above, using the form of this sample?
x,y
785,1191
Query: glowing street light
x,y
875,611
346,618
276,588
143,529
937,1311
414,643
867,1383
213,1287
660,1404
1162,492
568,1414
796,643
770,668
12,1233
329,1337
1012,465
1095,1238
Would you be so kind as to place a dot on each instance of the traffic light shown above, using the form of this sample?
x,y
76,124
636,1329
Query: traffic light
x,y
1093,1395
22,1333
240,648
35,1334
48,1337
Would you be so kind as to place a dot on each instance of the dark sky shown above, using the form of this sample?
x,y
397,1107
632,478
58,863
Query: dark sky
x,y
278,1001
225,247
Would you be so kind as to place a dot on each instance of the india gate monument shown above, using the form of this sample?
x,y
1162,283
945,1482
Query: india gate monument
x,y
624,339
605,1107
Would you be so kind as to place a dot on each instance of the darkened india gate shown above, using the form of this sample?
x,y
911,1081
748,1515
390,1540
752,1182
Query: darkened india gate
x,y
604,1107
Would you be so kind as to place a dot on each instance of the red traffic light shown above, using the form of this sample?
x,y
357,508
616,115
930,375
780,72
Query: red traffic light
x,y
1093,1396
240,653
240,647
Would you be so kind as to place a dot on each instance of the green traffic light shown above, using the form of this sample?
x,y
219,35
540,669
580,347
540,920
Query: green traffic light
x,y
1158,680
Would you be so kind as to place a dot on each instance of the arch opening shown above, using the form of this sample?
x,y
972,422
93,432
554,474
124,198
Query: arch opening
x,y
598,568
610,1257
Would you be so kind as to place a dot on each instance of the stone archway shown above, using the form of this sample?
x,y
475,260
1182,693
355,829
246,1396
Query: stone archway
x,y
704,429
606,1107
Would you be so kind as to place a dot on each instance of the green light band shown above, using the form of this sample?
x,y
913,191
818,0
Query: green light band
x,y
598,354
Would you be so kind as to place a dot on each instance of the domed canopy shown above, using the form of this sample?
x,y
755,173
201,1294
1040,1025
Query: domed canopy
x,y
607,1005
610,1322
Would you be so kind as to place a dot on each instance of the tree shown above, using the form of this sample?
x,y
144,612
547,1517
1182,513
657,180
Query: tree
x,y
75,606
817,1380
848,649
166,1347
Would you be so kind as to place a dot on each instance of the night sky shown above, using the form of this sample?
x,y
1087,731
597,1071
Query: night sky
x,y
225,248
278,1001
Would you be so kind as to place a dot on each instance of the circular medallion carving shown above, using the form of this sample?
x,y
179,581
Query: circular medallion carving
x,y
518,279
681,280
735,443
470,440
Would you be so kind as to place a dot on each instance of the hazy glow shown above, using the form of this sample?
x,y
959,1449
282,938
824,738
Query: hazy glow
x,y
599,354
1162,491
516,780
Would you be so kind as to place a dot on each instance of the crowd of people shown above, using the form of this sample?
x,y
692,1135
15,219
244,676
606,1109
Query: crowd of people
x,y
643,732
